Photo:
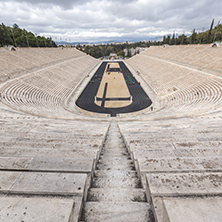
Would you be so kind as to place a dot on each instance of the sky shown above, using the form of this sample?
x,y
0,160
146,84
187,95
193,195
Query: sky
x,y
110,20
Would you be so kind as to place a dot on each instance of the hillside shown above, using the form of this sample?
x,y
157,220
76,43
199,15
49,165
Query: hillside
x,y
21,37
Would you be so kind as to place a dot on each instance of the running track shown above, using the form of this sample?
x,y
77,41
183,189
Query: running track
x,y
86,99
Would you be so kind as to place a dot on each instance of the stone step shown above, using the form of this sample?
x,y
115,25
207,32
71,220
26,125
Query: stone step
x,y
108,173
115,134
115,163
114,160
114,142
118,179
115,154
121,212
115,167
116,195
113,151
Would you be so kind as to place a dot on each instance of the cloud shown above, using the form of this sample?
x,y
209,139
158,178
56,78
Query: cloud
x,y
91,20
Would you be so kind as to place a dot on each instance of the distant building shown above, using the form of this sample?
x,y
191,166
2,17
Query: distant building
x,y
132,51
140,49
126,52
113,55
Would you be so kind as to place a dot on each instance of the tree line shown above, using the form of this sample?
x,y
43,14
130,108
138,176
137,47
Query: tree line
x,y
102,50
207,37
21,38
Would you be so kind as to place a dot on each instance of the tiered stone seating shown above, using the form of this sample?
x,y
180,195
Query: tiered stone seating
x,y
203,57
46,166
165,78
179,160
43,92
21,61
182,90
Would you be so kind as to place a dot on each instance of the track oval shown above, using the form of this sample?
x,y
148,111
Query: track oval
x,y
140,100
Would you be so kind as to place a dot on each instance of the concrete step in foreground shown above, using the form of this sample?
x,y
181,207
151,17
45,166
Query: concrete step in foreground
x,y
113,212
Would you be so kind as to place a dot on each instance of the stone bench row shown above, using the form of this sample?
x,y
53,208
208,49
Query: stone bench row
x,y
187,93
196,56
179,162
182,90
168,77
199,98
30,59
79,164
39,196
42,94
32,208
185,196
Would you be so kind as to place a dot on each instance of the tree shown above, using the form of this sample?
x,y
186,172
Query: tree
x,y
1,37
168,39
20,37
172,41
6,36
164,39
209,33
121,53
15,26
128,53
193,37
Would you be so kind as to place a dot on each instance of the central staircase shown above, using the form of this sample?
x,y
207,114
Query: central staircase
x,y
116,193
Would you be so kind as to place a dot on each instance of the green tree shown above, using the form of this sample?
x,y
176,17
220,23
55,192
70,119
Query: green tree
x,y
1,37
172,41
209,33
194,37
15,26
168,39
121,53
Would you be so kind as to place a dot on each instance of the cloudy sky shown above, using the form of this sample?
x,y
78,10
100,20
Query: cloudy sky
x,y
104,20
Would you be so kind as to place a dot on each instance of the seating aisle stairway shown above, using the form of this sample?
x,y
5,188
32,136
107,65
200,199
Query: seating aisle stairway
x,y
116,193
